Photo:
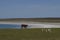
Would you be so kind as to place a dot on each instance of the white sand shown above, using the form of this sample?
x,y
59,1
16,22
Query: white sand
x,y
35,24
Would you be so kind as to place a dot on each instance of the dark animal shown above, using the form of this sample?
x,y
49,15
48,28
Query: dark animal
x,y
24,26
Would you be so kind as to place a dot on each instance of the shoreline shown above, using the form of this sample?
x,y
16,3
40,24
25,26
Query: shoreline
x,y
35,24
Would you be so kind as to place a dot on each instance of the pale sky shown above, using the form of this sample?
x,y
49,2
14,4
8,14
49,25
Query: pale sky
x,y
29,8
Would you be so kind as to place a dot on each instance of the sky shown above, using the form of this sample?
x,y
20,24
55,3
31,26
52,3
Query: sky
x,y
29,8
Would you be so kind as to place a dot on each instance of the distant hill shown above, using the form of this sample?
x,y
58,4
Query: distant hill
x,y
33,19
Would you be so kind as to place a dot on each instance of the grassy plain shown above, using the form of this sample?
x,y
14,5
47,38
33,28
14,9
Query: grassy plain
x,y
29,34
54,20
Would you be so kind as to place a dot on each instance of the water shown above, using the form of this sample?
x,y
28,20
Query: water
x,y
30,25
9,26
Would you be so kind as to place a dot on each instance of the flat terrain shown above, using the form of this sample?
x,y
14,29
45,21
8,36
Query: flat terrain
x,y
29,34
55,20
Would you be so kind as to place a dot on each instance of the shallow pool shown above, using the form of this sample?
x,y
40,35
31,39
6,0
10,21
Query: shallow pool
x,y
9,26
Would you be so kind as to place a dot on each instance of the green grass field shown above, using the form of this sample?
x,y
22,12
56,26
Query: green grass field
x,y
29,34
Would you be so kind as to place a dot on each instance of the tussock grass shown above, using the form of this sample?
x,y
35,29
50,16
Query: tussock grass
x,y
29,34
